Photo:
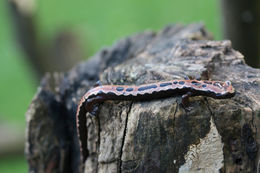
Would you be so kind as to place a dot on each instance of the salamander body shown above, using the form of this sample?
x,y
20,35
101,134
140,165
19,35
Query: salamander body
x,y
91,100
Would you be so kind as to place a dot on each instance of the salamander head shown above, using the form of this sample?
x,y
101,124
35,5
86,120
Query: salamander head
x,y
229,90
228,87
219,90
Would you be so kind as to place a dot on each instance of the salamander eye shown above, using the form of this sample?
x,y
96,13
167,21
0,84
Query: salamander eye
x,y
228,83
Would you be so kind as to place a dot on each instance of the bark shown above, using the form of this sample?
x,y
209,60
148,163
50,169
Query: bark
x,y
151,136
240,19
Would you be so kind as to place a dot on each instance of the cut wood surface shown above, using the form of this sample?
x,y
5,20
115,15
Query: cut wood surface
x,y
150,136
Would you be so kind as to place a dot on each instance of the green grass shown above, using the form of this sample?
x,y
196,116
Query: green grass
x,y
98,23
17,85
13,164
103,22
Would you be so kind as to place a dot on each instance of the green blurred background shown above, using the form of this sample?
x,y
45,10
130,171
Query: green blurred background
x,y
98,24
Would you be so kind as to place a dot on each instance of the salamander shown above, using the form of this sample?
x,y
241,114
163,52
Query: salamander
x,y
91,100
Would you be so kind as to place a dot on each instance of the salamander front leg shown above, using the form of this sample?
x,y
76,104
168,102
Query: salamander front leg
x,y
95,110
185,98
185,101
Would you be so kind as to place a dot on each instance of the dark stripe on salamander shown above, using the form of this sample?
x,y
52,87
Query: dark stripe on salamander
x,y
181,82
119,88
165,84
175,82
147,87
129,89
204,86
195,83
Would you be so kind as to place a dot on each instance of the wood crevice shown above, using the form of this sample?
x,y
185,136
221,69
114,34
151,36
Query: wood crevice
x,y
123,138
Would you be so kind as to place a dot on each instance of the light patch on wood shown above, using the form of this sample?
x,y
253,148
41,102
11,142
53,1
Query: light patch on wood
x,y
207,156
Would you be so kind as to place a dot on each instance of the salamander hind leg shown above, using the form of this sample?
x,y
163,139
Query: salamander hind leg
x,y
93,104
95,110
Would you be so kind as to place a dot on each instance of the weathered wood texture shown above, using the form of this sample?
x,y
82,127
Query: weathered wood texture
x,y
152,136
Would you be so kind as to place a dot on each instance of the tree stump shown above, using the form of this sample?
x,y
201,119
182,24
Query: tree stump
x,y
150,136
